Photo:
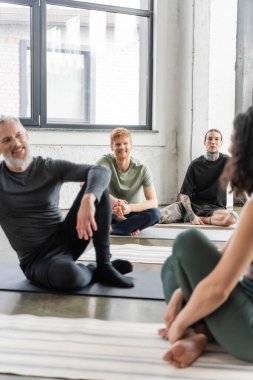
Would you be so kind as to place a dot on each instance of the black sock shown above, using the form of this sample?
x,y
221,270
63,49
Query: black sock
x,y
107,274
122,266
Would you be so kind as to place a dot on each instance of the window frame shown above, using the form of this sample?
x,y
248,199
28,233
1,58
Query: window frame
x,y
34,120
38,63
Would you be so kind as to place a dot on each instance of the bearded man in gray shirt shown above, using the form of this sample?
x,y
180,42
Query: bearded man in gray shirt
x,y
46,244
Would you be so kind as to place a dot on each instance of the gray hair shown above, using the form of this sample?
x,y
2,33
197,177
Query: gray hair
x,y
7,118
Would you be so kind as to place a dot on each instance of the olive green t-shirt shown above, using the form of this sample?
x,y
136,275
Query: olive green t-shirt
x,y
128,185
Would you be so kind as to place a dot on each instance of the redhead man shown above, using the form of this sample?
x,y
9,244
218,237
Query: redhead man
x,y
202,200
130,179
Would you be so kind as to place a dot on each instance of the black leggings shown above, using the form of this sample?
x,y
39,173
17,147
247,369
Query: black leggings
x,y
194,257
55,266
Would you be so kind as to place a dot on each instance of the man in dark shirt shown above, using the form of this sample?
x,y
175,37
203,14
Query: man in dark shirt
x,y
46,244
202,200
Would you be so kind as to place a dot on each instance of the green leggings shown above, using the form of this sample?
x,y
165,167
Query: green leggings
x,y
231,325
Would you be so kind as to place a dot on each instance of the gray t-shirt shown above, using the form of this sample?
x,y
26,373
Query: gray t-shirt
x,y
29,201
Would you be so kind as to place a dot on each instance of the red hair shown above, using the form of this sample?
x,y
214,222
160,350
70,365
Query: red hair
x,y
120,132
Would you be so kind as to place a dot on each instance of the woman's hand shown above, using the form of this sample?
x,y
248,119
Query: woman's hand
x,y
176,331
173,308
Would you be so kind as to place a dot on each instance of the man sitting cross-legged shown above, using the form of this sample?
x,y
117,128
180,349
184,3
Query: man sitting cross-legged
x,y
130,178
202,200
46,244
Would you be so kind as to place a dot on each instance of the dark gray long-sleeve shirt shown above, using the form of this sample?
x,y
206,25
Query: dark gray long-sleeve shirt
x,y
29,201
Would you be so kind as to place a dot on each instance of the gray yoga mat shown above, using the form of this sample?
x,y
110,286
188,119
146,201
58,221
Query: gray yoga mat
x,y
147,285
169,233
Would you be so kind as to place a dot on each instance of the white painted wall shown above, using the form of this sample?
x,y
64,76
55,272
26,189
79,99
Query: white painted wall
x,y
194,82
222,74
185,86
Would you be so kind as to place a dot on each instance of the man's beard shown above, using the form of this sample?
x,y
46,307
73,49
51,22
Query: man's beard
x,y
19,162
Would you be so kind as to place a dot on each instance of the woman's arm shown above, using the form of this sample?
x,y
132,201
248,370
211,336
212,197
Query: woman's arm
x,y
226,245
214,289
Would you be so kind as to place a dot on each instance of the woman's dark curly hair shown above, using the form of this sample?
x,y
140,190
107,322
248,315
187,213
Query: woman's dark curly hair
x,y
239,169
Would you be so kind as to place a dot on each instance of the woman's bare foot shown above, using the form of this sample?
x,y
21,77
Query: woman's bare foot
x,y
174,306
201,328
163,333
134,233
185,351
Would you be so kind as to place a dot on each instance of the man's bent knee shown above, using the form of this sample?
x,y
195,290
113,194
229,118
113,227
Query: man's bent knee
x,y
66,275
171,214
154,215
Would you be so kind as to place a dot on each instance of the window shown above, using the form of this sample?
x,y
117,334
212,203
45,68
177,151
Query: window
x,y
139,4
15,25
76,64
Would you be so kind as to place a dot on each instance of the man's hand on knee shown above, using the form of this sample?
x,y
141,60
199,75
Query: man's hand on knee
x,y
86,223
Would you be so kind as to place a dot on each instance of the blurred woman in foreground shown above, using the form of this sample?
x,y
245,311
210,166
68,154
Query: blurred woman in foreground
x,y
210,292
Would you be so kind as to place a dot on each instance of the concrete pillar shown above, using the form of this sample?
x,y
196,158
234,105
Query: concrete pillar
x,y
244,60
207,74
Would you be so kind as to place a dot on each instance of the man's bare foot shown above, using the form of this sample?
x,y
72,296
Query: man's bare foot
x,y
120,218
205,220
185,351
134,233
174,306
